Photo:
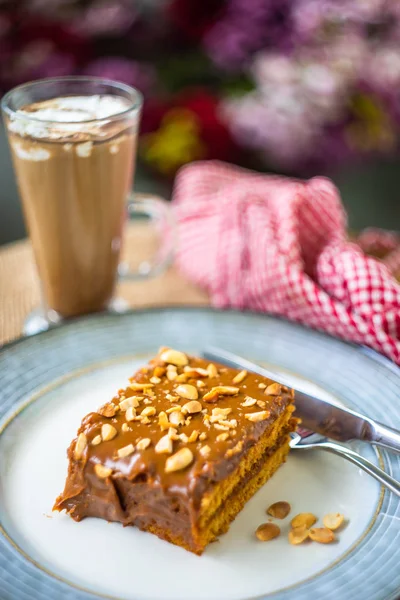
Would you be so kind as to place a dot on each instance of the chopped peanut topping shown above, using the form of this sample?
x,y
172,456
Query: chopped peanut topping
x,y
182,378
176,401
205,451
192,407
130,414
303,520
220,413
239,377
173,409
235,450
249,401
108,432
227,390
187,391
143,444
136,386
221,427
322,535
196,371
108,410
211,396
274,389
176,418
80,446
101,471
333,521
298,535
206,421
171,373
159,372
258,416
174,357
212,370
131,402
220,390
149,411
279,510
164,445
172,433
126,451
163,420
178,461
267,532
193,436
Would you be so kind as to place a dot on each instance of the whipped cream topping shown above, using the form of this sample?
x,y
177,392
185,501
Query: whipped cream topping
x,y
66,116
31,154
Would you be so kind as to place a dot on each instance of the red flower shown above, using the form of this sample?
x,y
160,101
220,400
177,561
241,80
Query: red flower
x,y
153,113
184,129
193,18
214,133
37,48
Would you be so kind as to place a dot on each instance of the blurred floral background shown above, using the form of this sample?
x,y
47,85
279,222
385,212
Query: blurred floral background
x,y
294,86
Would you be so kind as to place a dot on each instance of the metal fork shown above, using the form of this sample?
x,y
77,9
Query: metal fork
x,y
310,441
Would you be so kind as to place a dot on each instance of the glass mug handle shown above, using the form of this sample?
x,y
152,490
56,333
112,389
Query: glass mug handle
x,y
159,212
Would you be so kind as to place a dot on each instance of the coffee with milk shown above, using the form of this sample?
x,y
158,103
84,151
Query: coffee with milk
x,y
74,160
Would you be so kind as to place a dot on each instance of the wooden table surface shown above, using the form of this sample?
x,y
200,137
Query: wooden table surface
x,y
19,284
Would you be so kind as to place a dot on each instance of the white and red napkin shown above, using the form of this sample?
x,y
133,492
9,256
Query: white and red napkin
x,y
279,245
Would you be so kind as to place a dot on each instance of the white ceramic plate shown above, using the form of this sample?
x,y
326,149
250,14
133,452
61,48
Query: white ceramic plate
x,y
66,373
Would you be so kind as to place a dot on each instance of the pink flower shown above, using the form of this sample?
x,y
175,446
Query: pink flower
x,y
40,59
284,134
384,68
311,16
106,17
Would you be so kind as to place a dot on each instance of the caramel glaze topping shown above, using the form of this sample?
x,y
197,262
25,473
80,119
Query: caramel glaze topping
x,y
182,425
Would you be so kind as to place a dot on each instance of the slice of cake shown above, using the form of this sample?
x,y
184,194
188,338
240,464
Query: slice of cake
x,y
180,450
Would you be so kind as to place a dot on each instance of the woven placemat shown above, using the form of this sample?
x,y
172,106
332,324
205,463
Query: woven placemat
x,y
19,284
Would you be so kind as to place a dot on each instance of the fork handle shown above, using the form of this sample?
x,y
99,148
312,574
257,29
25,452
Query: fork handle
x,y
382,435
363,463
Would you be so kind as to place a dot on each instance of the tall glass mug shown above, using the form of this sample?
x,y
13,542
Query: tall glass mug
x,y
73,143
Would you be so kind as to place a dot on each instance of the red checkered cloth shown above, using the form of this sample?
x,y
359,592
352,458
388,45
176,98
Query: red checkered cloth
x,y
280,245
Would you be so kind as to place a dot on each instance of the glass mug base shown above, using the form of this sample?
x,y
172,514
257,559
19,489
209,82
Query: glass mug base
x,y
40,320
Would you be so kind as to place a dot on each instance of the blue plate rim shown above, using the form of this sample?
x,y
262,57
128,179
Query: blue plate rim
x,y
367,353
366,350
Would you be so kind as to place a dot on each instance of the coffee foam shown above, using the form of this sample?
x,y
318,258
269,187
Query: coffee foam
x,y
65,116
35,154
